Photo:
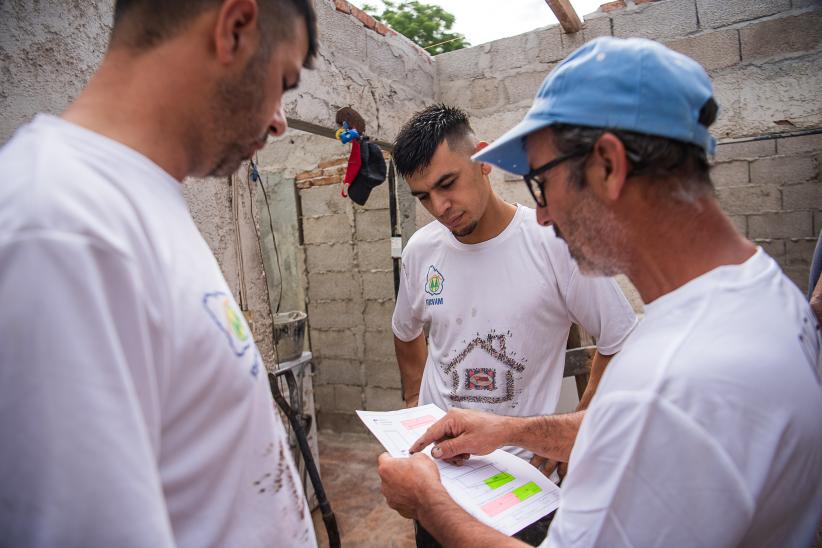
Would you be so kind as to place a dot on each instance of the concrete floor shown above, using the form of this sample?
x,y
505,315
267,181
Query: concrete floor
x,y
348,467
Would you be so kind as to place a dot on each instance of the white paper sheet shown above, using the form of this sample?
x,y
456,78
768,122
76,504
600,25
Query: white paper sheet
x,y
499,489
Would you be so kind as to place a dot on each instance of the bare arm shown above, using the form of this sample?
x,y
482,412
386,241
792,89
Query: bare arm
x,y
411,358
816,300
598,365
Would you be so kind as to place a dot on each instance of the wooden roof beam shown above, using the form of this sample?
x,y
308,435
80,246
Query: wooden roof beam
x,y
566,14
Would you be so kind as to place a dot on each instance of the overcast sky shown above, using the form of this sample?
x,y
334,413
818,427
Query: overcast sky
x,y
482,21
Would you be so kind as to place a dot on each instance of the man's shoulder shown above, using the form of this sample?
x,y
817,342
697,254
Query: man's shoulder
x,y
424,239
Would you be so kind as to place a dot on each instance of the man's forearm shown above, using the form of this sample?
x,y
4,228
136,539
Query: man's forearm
x,y
411,358
453,526
551,436
598,365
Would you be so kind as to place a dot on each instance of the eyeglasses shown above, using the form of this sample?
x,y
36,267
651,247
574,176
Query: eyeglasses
x,y
536,186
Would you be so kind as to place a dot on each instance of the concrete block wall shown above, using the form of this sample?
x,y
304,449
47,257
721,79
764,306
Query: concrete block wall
x,y
765,58
772,189
350,296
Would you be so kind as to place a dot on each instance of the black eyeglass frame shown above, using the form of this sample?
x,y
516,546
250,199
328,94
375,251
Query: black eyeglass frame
x,y
532,177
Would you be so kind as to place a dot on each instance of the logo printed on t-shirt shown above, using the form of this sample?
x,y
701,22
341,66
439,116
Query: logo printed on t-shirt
x,y
434,281
481,378
222,310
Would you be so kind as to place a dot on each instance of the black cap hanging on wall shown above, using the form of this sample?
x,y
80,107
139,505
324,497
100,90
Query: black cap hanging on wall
x,y
366,165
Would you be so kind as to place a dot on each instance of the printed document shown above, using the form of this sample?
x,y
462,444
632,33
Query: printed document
x,y
499,489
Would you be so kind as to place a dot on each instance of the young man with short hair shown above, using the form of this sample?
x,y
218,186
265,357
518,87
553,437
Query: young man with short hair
x,y
705,429
134,401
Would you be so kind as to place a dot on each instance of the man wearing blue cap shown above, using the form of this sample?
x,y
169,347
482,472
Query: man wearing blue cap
x,y
705,429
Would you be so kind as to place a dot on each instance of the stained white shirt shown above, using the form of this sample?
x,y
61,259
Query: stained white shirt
x,y
134,405
499,314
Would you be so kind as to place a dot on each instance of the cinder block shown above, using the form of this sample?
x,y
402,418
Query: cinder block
x,y
817,221
335,344
373,225
656,20
713,50
333,286
774,248
747,149
796,145
798,275
749,199
796,33
378,285
799,252
383,399
335,314
378,315
524,86
789,224
331,371
324,397
549,44
733,173
326,229
510,52
379,345
382,373
322,200
740,222
484,93
783,170
329,258
374,255
378,199
462,64
347,398
808,195
714,14
340,423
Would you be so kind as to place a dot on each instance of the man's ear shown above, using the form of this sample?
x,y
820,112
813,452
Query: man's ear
x,y
486,168
236,33
607,167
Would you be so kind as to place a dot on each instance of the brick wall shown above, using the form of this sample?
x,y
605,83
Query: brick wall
x,y
350,294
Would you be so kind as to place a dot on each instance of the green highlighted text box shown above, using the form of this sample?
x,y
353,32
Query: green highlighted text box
x,y
528,490
498,480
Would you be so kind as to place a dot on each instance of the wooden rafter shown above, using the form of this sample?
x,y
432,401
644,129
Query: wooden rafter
x,y
566,14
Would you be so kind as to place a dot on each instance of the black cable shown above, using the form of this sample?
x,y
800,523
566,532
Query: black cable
x,y
255,176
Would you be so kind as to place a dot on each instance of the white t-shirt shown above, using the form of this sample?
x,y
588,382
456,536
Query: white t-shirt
x,y
134,405
705,430
499,314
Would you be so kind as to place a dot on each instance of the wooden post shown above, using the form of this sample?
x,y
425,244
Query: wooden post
x,y
566,14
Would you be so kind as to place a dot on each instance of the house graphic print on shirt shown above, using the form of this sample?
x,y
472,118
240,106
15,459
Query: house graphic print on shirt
x,y
484,371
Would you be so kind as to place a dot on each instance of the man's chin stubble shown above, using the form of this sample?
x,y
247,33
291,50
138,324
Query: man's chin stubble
x,y
465,231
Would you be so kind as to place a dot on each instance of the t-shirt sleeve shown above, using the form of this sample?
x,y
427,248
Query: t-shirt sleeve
x,y
80,403
643,473
406,323
598,305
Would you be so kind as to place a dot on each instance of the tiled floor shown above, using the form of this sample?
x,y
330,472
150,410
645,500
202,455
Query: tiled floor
x,y
348,466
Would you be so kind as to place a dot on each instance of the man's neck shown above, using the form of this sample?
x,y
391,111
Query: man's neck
x,y
498,214
682,243
122,102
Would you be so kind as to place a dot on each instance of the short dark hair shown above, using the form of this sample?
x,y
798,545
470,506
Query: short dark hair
x,y
142,24
658,158
422,134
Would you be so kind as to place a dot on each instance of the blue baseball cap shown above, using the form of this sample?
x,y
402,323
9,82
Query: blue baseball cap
x,y
630,84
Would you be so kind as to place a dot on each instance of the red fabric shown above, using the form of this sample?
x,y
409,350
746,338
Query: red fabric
x,y
354,163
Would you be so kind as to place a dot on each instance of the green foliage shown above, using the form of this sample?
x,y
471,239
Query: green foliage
x,y
424,24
